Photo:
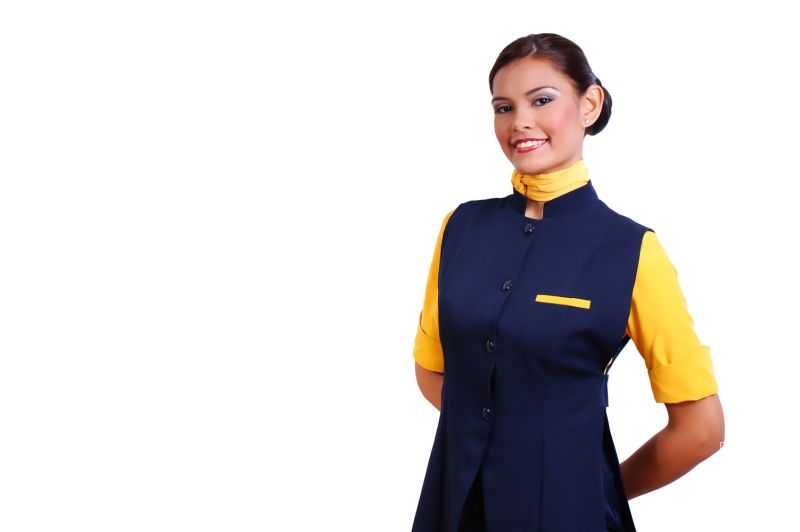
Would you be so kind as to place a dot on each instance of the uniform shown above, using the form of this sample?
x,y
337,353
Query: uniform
x,y
525,317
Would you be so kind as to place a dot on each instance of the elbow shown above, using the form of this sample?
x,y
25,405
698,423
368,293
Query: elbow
x,y
699,443
430,384
711,437
701,426
710,441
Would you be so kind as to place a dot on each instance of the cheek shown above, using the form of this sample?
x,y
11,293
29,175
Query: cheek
x,y
562,121
501,129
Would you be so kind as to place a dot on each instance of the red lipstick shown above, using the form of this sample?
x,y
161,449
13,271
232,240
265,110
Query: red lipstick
x,y
528,145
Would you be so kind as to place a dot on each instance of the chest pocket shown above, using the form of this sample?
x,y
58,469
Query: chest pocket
x,y
566,301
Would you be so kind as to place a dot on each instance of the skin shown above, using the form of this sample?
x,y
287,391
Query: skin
x,y
558,114
430,384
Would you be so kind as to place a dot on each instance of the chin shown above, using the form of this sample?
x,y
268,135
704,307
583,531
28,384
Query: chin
x,y
531,169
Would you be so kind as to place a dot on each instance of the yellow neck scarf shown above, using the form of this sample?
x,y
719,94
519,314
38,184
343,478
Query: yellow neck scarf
x,y
544,187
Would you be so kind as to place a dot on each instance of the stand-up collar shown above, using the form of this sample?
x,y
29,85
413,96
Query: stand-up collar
x,y
570,203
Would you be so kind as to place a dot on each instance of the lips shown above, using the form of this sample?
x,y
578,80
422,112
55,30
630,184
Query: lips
x,y
527,145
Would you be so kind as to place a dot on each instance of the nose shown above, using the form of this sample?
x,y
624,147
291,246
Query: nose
x,y
523,119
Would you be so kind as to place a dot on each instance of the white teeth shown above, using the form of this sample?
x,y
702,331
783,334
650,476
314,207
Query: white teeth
x,y
530,144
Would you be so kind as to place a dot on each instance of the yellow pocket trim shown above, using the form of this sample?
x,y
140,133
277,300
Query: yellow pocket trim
x,y
569,301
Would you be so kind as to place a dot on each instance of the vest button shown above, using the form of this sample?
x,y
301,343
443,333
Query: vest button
x,y
529,229
489,346
487,413
506,286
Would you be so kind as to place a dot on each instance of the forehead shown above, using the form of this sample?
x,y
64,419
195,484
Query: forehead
x,y
522,75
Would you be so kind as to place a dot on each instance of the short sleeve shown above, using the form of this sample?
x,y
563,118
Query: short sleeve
x,y
662,329
427,347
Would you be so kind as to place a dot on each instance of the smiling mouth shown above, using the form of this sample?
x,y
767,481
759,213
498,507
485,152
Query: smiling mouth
x,y
526,145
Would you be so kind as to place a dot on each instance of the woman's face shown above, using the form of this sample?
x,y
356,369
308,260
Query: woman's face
x,y
539,118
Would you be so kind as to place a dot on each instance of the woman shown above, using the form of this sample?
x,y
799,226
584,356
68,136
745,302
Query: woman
x,y
529,300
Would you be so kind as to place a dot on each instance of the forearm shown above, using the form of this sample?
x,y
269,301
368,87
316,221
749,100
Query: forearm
x,y
694,433
430,384
664,458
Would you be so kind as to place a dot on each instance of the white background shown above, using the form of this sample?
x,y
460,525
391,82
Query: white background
x,y
216,222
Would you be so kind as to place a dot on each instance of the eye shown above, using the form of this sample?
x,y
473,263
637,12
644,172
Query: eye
x,y
543,100
502,109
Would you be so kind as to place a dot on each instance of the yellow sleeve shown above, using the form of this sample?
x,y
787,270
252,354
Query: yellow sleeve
x,y
660,326
427,348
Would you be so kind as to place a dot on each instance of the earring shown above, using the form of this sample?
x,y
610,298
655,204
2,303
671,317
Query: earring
x,y
586,121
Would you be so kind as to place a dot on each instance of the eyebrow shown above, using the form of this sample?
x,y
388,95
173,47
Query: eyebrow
x,y
527,93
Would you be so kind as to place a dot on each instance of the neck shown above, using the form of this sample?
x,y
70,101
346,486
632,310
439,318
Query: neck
x,y
535,209
540,188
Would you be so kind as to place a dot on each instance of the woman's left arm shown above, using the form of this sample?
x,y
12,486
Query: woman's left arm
x,y
681,376
695,431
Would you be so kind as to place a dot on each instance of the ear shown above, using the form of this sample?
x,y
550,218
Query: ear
x,y
591,105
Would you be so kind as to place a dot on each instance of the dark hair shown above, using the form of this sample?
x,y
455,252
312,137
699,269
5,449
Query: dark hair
x,y
566,57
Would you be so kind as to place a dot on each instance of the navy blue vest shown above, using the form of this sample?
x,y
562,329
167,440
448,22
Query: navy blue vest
x,y
525,381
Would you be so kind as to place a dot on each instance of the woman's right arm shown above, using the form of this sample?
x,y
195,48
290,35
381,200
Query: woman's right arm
x,y
428,355
430,384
